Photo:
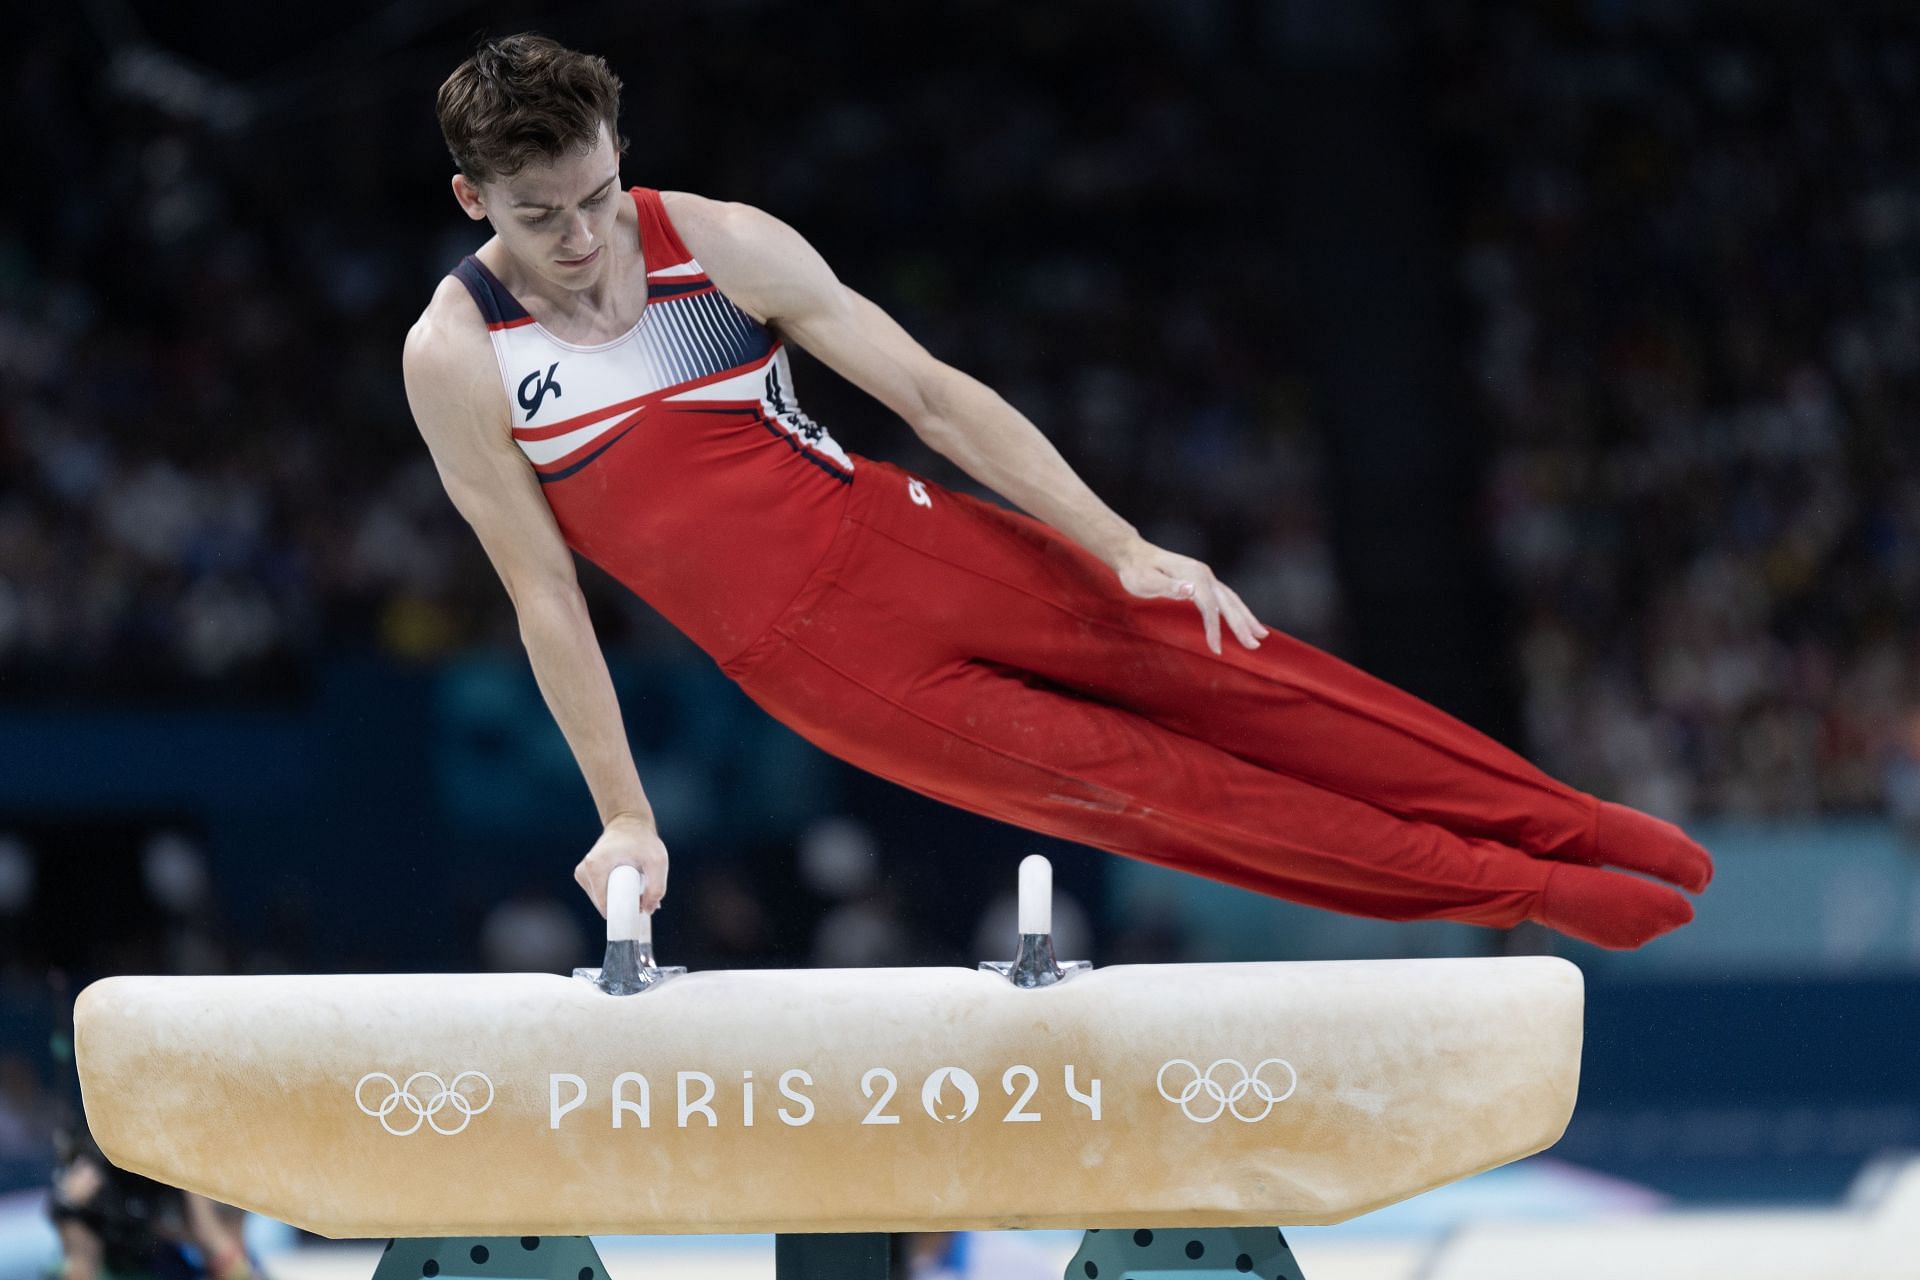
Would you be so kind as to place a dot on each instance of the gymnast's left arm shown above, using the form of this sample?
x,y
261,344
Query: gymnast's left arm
x,y
772,272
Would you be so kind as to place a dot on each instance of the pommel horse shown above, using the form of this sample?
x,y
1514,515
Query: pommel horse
x,y
488,1123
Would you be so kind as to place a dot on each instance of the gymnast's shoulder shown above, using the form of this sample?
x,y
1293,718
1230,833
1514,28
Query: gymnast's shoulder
x,y
762,264
450,323
447,363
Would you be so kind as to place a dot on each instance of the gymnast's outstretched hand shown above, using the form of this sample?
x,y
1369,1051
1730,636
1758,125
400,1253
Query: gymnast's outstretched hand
x,y
1149,571
628,840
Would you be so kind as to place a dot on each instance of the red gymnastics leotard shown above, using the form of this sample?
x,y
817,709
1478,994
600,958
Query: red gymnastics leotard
x,y
982,658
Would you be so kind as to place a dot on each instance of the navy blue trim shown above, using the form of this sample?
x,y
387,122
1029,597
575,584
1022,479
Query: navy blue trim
x,y
673,289
562,475
844,477
496,304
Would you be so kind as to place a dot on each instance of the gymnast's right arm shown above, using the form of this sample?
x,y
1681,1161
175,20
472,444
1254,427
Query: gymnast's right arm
x,y
461,411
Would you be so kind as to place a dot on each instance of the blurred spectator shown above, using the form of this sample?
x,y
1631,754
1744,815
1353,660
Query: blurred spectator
x,y
26,1113
730,922
534,933
117,1224
872,932
864,924
839,858
174,872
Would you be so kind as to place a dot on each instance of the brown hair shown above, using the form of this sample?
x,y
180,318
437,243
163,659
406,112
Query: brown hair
x,y
522,99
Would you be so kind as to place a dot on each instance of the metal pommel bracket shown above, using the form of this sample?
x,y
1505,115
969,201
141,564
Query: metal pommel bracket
x,y
629,968
1035,965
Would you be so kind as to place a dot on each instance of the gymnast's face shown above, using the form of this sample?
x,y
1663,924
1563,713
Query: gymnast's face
x,y
555,217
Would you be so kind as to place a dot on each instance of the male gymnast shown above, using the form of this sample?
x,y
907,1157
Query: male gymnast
x,y
608,375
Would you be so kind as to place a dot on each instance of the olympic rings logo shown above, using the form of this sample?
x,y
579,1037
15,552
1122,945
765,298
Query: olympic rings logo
x,y
424,1110
1223,1086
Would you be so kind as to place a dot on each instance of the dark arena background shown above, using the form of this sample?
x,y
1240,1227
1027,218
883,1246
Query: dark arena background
x,y
1556,362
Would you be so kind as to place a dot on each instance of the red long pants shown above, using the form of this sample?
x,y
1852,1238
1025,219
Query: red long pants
x,y
980,657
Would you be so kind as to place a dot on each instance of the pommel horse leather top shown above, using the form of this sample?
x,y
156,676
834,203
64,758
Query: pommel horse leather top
x,y
831,1100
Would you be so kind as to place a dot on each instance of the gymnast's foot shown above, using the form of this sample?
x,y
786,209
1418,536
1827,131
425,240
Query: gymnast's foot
x,y
1610,909
1636,841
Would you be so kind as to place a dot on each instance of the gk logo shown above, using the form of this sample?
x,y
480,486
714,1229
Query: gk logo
x,y
918,492
534,388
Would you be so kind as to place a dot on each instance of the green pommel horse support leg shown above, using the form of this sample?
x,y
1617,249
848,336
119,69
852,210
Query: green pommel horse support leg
x,y
494,1124
1211,1254
1222,1253
492,1257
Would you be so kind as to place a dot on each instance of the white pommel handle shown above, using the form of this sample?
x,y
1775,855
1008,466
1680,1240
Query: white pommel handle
x,y
1036,895
625,921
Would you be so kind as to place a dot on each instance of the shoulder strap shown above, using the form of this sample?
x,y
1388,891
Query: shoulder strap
x,y
500,308
658,240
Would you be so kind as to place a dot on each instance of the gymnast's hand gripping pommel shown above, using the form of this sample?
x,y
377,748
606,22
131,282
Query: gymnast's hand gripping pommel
x,y
629,966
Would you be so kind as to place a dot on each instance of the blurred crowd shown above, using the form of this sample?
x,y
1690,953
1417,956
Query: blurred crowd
x,y
1689,236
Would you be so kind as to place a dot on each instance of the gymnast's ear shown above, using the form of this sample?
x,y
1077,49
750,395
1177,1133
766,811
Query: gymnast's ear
x,y
467,194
